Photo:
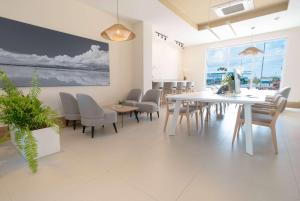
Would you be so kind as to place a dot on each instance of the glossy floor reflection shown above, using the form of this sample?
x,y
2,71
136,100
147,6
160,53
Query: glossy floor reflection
x,y
142,163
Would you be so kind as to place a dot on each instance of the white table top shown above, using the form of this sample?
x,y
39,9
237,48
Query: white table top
x,y
245,97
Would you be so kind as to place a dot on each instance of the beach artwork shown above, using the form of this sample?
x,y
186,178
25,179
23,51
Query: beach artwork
x,y
58,59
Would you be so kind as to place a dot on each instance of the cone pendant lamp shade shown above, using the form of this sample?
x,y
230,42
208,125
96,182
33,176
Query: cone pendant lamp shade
x,y
250,51
118,32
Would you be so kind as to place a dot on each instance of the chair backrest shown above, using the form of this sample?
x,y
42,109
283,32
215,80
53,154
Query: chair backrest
x,y
88,107
281,104
168,87
156,85
69,103
135,94
152,95
285,92
188,85
276,98
181,85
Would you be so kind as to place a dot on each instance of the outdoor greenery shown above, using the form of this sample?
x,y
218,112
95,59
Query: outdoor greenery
x,y
24,113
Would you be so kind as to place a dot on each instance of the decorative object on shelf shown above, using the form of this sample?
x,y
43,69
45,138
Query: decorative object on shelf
x,y
59,59
118,32
29,121
185,73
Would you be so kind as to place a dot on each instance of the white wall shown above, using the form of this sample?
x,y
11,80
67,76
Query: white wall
x,y
166,59
78,19
143,55
194,59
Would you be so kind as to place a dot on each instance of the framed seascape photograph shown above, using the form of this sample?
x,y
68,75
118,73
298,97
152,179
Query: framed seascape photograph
x,y
59,59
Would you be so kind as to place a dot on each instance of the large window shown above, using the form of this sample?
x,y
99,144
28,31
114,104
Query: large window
x,y
263,69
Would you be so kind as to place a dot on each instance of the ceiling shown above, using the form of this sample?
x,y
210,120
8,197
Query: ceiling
x,y
197,12
175,27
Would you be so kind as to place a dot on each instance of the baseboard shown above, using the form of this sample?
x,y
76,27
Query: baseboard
x,y
293,105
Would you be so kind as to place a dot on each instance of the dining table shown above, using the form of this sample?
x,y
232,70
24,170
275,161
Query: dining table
x,y
247,98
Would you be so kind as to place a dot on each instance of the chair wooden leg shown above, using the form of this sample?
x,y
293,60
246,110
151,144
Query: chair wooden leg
x,y
237,125
273,130
115,127
150,116
201,116
181,116
166,121
93,130
239,128
188,124
207,113
67,122
74,124
83,129
158,114
196,114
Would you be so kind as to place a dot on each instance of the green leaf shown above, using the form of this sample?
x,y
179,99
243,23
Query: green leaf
x,y
25,113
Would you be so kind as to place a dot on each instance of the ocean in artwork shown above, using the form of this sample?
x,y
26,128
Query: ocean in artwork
x,y
58,59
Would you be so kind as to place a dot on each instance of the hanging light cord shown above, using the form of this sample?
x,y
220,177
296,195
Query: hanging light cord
x,y
118,11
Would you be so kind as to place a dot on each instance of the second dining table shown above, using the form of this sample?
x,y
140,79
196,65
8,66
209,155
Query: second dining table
x,y
246,98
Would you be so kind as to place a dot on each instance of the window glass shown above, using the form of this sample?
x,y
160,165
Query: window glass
x,y
263,69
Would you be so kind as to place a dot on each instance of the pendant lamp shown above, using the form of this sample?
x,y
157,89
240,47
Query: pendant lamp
x,y
251,51
118,32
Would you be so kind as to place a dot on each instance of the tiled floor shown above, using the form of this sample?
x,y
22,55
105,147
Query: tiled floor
x,y
142,163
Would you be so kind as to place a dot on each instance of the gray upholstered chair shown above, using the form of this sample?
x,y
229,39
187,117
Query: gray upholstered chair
x,y
157,85
150,102
70,108
181,87
133,97
93,115
189,86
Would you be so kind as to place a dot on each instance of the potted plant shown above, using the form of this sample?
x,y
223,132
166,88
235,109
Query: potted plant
x,y
33,127
229,82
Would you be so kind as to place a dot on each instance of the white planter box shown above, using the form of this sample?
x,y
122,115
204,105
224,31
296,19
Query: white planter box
x,y
47,139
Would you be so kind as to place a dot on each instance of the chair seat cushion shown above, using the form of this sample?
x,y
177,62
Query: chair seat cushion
x,y
130,102
260,117
183,109
110,116
147,107
72,117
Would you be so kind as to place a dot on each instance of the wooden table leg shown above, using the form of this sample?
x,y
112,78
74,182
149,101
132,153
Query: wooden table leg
x,y
122,114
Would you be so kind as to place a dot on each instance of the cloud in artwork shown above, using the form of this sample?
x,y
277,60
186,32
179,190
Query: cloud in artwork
x,y
94,58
